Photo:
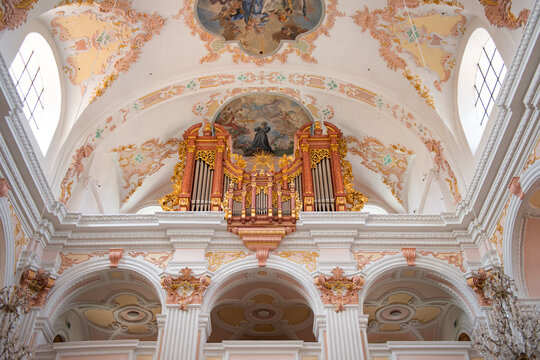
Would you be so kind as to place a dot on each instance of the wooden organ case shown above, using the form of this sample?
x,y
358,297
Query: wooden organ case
x,y
262,204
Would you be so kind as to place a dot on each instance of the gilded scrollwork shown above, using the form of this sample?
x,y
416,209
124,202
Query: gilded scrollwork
x,y
316,155
355,199
170,201
208,156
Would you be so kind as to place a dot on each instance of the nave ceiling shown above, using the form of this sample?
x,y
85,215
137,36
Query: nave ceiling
x,y
136,74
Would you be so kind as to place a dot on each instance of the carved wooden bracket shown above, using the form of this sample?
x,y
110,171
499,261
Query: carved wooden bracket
x,y
114,256
4,187
477,282
262,240
410,255
185,289
38,283
339,290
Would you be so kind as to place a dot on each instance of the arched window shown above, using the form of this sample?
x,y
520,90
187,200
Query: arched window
x,y
490,72
35,75
481,74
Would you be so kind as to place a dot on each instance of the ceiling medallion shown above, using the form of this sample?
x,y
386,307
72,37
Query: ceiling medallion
x,y
259,26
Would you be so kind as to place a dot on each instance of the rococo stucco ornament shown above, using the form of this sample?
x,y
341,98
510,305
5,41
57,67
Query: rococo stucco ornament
x,y
339,290
185,289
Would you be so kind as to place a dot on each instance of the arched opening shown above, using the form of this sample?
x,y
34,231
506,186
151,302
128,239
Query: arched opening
x,y
406,304
113,304
481,74
261,305
35,76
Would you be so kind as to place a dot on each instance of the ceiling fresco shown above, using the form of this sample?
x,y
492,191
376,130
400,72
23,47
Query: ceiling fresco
x,y
259,26
275,21
262,123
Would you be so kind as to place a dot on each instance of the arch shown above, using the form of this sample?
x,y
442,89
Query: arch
x,y
451,280
69,285
512,241
227,272
7,245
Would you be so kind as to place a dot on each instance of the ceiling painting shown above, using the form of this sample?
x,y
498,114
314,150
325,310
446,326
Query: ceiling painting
x,y
416,37
13,13
137,162
262,123
102,41
391,162
258,27
499,13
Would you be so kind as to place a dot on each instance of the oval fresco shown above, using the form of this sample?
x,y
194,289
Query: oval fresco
x,y
262,122
259,25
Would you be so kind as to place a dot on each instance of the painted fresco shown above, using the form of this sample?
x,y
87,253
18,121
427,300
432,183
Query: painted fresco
x,y
259,25
262,123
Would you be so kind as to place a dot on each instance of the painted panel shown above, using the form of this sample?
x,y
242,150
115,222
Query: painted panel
x,y
263,122
259,26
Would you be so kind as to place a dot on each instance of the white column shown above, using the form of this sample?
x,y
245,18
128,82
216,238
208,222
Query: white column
x,y
345,336
26,326
181,334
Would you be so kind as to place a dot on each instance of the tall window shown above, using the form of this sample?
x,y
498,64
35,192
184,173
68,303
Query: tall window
x,y
35,75
490,74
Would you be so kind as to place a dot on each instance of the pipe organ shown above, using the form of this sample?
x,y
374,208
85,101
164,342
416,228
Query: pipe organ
x,y
210,177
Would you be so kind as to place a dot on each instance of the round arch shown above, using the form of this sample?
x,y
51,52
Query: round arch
x,y
512,240
450,279
227,272
69,285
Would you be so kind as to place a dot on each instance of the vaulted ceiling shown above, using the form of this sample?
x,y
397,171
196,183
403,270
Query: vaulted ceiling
x,y
136,74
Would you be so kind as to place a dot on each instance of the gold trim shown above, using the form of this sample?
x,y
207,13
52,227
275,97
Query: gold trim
x,y
316,155
169,201
356,199
208,156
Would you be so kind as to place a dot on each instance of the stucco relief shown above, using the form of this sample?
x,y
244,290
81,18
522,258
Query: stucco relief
x,y
434,146
104,40
68,260
391,162
216,46
38,283
425,40
339,290
364,258
307,259
13,13
185,289
137,162
156,258
452,258
217,259
499,13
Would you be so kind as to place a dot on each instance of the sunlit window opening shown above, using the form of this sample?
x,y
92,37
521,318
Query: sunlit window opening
x,y
490,74
35,75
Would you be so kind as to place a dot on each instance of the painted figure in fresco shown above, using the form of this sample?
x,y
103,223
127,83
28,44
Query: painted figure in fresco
x,y
260,141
